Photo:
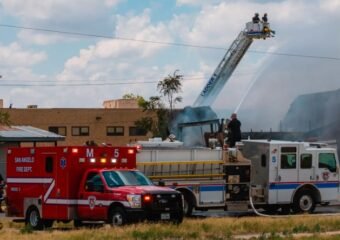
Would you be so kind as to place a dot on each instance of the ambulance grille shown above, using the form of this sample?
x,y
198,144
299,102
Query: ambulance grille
x,y
166,201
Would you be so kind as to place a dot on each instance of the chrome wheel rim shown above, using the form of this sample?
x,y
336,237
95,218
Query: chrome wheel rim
x,y
117,219
306,203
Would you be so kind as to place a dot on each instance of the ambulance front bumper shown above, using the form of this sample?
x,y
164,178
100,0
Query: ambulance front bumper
x,y
154,215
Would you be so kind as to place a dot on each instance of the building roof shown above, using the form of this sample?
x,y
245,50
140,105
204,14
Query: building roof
x,y
27,134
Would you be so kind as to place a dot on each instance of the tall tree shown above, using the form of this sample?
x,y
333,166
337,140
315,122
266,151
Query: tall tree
x,y
157,126
169,87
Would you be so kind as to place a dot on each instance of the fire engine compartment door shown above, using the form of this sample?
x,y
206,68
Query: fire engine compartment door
x,y
287,178
327,175
211,194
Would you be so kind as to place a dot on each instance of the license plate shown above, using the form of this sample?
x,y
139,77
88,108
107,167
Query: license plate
x,y
165,216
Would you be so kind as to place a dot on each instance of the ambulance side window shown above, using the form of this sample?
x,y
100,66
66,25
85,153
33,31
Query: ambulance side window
x,y
49,164
94,183
288,157
306,161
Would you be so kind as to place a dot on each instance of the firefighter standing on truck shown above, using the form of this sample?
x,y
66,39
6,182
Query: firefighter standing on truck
x,y
234,130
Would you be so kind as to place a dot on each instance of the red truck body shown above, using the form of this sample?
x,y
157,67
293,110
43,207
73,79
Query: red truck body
x,y
77,183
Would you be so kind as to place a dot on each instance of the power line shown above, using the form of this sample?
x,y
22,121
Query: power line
x,y
54,83
163,43
82,84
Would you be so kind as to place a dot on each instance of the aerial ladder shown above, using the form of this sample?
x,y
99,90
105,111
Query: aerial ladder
x,y
259,30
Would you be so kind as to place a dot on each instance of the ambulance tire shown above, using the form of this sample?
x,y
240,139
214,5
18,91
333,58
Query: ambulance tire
x,y
117,217
33,219
304,202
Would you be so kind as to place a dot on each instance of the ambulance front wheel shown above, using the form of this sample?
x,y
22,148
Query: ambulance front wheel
x,y
304,202
117,216
33,219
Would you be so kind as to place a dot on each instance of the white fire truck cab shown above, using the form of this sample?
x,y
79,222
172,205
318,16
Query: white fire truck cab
x,y
295,175
84,183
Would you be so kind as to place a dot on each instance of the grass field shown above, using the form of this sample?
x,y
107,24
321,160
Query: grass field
x,y
209,228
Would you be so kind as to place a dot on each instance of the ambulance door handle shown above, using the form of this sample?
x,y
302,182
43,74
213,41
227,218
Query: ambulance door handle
x,y
279,178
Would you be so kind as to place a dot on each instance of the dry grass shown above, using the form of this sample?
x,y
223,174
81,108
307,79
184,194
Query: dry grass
x,y
210,228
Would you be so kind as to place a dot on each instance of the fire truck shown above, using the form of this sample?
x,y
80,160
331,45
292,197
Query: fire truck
x,y
272,175
86,183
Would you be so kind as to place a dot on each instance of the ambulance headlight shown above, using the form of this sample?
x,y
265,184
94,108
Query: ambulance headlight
x,y
113,160
135,200
92,160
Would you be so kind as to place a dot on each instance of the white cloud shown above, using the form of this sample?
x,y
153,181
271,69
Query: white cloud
x,y
107,51
196,2
111,3
63,15
14,55
51,9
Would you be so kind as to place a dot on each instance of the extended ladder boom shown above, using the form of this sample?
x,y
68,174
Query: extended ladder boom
x,y
230,60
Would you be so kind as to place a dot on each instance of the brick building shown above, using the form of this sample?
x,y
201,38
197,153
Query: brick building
x,y
102,125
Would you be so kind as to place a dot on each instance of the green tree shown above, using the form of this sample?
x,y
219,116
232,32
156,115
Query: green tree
x,y
4,118
157,126
169,87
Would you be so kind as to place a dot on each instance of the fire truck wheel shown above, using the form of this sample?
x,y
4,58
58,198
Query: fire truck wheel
x,y
188,205
117,216
304,202
33,219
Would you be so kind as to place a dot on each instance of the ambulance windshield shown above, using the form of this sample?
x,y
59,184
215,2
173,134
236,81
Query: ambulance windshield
x,y
126,178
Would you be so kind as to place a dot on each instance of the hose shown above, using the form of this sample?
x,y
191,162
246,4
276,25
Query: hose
x,y
284,216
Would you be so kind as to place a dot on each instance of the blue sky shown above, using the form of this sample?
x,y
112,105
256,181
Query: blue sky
x,y
94,65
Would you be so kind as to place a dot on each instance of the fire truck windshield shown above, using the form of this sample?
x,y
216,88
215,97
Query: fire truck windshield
x,y
126,178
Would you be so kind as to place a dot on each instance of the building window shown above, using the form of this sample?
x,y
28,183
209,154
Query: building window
x,y
134,131
80,131
115,131
57,130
